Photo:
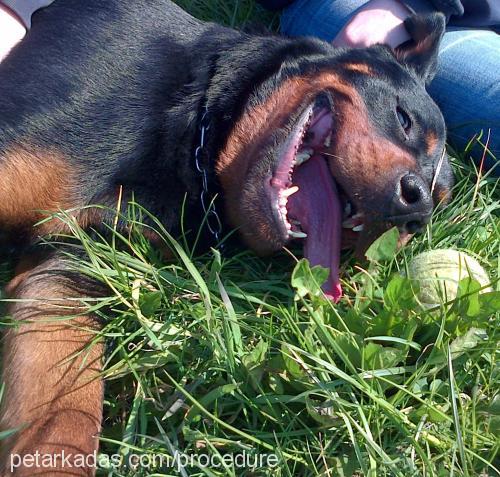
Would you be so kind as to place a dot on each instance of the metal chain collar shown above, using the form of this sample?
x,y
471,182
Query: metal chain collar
x,y
211,217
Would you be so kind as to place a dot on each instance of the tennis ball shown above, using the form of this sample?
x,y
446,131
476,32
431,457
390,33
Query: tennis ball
x,y
439,272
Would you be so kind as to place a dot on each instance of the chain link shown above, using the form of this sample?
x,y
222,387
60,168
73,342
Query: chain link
x,y
212,218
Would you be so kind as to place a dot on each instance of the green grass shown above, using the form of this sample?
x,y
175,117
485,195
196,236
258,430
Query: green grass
x,y
216,356
233,13
219,356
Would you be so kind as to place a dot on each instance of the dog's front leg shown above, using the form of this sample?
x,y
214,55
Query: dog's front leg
x,y
51,364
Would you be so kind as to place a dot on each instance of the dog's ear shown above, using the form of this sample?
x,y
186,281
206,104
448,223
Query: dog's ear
x,y
421,53
449,7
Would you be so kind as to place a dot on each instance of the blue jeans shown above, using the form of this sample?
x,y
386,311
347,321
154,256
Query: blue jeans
x,y
466,87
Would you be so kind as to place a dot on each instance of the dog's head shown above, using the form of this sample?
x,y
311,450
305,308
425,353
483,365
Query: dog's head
x,y
335,149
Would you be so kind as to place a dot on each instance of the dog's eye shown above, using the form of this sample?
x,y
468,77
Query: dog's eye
x,y
404,120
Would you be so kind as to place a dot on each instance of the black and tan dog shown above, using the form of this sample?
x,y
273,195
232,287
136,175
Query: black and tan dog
x,y
300,141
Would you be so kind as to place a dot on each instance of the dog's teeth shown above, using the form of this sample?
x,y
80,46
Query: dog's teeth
x,y
303,156
288,192
328,141
347,209
295,222
349,223
358,228
295,234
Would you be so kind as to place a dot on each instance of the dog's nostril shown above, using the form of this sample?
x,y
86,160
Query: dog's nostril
x,y
411,189
411,204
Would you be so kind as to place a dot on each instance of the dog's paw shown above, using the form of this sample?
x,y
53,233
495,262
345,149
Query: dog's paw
x,y
449,7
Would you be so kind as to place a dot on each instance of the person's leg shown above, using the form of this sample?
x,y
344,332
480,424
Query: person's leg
x,y
321,18
466,86
467,89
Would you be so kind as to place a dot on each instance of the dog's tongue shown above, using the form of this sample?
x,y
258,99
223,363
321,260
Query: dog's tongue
x,y
317,207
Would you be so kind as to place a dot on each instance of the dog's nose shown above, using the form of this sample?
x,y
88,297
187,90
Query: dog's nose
x,y
412,203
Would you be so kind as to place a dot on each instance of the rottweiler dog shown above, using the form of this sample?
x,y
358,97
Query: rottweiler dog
x,y
295,140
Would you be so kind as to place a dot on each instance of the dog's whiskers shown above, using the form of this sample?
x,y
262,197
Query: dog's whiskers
x,y
323,153
438,170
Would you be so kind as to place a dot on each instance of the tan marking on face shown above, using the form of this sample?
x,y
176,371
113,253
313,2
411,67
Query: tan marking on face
x,y
367,165
431,141
32,181
361,68
443,194
363,161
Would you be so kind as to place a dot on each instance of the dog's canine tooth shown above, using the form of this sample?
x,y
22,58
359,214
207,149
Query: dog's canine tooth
x,y
358,228
303,156
296,234
347,209
288,192
328,141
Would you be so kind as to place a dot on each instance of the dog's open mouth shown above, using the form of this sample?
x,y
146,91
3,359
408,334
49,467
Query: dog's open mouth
x,y
308,203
